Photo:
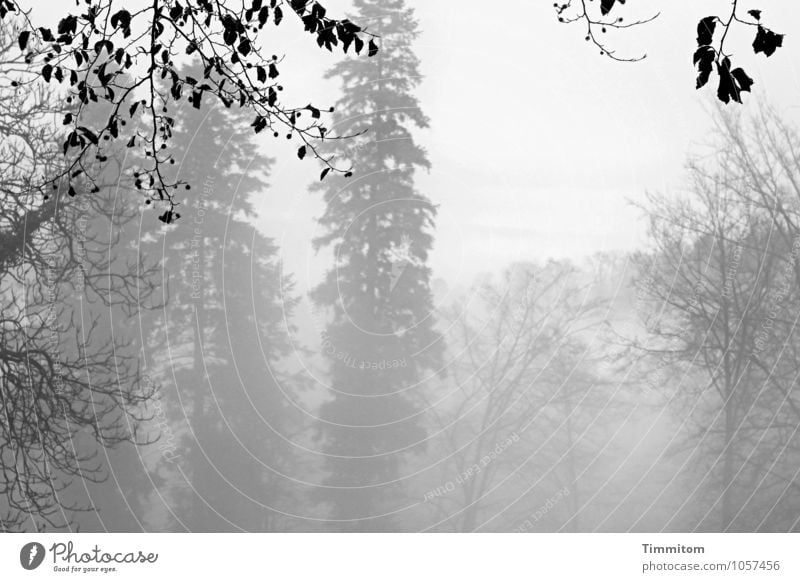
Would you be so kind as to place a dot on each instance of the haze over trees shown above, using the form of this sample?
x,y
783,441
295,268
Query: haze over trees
x,y
164,375
722,285
102,52
520,414
69,386
380,343
214,345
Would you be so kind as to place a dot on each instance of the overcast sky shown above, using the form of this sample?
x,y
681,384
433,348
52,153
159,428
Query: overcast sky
x,y
536,140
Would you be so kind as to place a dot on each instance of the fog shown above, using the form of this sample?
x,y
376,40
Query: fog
x,y
558,294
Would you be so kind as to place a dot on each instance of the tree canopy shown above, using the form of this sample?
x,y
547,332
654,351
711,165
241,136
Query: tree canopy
x,y
101,51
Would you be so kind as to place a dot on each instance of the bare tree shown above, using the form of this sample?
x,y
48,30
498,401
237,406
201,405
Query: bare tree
x,y
521,398
65,385
720,286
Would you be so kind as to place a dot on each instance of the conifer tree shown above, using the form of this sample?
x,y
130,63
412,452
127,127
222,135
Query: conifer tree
x,y
222,332
380,341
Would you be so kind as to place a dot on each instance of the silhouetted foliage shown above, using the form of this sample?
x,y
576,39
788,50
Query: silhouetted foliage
x,y
92,47
712,33
104,53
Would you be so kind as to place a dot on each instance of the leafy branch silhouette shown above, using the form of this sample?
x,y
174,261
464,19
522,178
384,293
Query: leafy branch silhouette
x,y
712,34
131,60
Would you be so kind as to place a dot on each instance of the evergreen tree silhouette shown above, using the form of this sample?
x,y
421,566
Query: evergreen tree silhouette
x,y
222,332
380,341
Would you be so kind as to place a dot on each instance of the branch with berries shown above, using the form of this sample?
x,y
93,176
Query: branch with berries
x,y
710,55
131,61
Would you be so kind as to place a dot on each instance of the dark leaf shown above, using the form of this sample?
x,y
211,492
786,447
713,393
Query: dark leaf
x,y
23,39
229,36
607,5
90,135
704,60
705,30
68,25
731,83
263,14
744,81
259,123
766,41
122,20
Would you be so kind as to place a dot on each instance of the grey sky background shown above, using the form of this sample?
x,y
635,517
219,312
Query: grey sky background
x,y
537,142
538,146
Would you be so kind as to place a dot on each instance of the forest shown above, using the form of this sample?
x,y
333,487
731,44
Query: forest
x,y
363,285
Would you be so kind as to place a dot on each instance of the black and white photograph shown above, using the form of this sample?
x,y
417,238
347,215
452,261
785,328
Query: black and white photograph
x,y
363,267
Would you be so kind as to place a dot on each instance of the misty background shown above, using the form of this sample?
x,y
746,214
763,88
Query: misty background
x,y
558,294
